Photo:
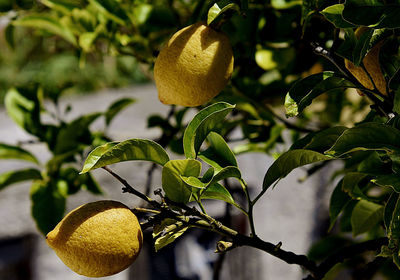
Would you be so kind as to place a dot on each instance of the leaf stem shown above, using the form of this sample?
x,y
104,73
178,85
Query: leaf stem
x,y
250,207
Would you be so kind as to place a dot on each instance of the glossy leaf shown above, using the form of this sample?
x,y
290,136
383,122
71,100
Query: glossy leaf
x,y
372,13
217,9
389,180
12,177
219,192
193,182
133,149
201,125
289,161
49,24
48,204
174,187
365,216
302,93
367,136
15,152
334,14
117,107
319,141
225,173
218,155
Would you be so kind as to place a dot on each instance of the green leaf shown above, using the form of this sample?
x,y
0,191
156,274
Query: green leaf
x,y
302,93
219,192
64,6
208,175
225,173
194,182
170,233
111,10
374,164
372,13
367,136
389,180
15,152
218,155
389,209
117,107
48,23
365,216
76,181
334,14
201,125
351,187
218,9
366,42
74,134
142,12
339,200
133,149
86,40
17,176
48,204
319,141
173,185
24,109
289,161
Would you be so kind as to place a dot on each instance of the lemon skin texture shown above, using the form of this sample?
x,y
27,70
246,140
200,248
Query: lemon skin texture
x,y
97,239
373,77
194,66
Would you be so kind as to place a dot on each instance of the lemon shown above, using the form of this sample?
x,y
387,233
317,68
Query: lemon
x,y
194,66
97,239
373,76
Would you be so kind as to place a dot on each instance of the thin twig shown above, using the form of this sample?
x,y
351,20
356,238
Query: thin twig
x,y
195,218
128,188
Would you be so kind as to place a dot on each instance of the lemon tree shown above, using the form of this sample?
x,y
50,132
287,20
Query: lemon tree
x,y
283,75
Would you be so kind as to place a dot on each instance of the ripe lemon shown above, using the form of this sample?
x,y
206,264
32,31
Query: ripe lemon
x,y
194,66
97,239
371,64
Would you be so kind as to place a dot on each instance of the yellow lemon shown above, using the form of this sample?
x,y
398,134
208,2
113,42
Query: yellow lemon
x,y
373,76
97,239
194,66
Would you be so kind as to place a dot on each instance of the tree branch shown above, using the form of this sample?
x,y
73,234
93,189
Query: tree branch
x,y
193,217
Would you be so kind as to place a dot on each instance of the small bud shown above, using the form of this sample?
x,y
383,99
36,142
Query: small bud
x,y
223,246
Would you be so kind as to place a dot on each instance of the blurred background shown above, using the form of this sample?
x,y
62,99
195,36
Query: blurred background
x,y
65,60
